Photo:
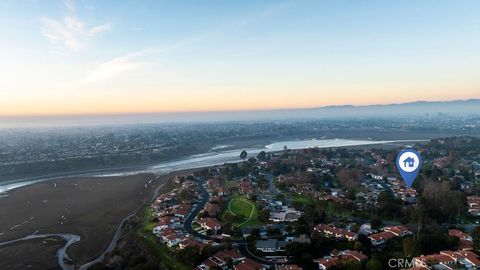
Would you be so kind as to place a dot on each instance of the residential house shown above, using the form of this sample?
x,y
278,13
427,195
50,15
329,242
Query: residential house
x,y
213,182
171,237
325,263
249,264
212,209
246,188
270,245
223,191
447,259
210,224
343,256
336,232
191,243
225,255
473,205
304,239
465,241
182,210
381,237
399,231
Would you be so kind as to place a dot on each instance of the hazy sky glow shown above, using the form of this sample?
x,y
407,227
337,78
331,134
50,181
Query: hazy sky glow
x,y
89,57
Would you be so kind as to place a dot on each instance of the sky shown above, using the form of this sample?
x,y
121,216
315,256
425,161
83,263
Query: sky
x,y
107,57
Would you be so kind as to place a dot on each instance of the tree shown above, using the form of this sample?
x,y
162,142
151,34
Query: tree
x,y
264,215
189,256
351,265
374,264
408,246
376,223
262,183
229,218
243,155
349,178
255,233
313,214
262,156
355,228
388,205
358,246
434,239
476,238
442,203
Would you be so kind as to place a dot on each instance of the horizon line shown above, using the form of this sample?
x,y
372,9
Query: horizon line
x,y
65,115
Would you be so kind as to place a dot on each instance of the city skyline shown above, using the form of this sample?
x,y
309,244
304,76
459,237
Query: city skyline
x,y
82,57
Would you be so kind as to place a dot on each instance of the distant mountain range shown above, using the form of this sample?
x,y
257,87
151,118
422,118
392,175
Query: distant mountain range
x,y
470,107
417,108
411,109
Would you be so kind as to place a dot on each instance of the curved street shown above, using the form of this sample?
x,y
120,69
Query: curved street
x,y
242,244
187,224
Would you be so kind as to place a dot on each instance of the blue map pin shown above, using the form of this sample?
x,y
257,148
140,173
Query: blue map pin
x,y
409,163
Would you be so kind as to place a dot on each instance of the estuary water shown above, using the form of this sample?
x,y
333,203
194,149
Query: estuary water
x,y
214,157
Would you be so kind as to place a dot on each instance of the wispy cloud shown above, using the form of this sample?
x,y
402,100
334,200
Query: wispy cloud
x,y
132,61
268,11
99,29
69,4
70,33
109,69
119,65
65,34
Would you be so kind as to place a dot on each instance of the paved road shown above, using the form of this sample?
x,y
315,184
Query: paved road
x,y
242,244
187,224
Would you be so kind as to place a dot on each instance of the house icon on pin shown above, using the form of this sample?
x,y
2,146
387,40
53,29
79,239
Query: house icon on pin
x,y
409,161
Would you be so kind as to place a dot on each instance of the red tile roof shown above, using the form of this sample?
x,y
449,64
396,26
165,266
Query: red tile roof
x,y
164,220
332,230
248,264
213,182
193,243
209,263
465,244
469,255
212,209
437,258
458,233
167,232
229,253
328,262
382,236
183,209
211,223
359,256
397,230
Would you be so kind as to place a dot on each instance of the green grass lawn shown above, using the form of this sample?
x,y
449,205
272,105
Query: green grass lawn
x,y
244,209
155,247
302,199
